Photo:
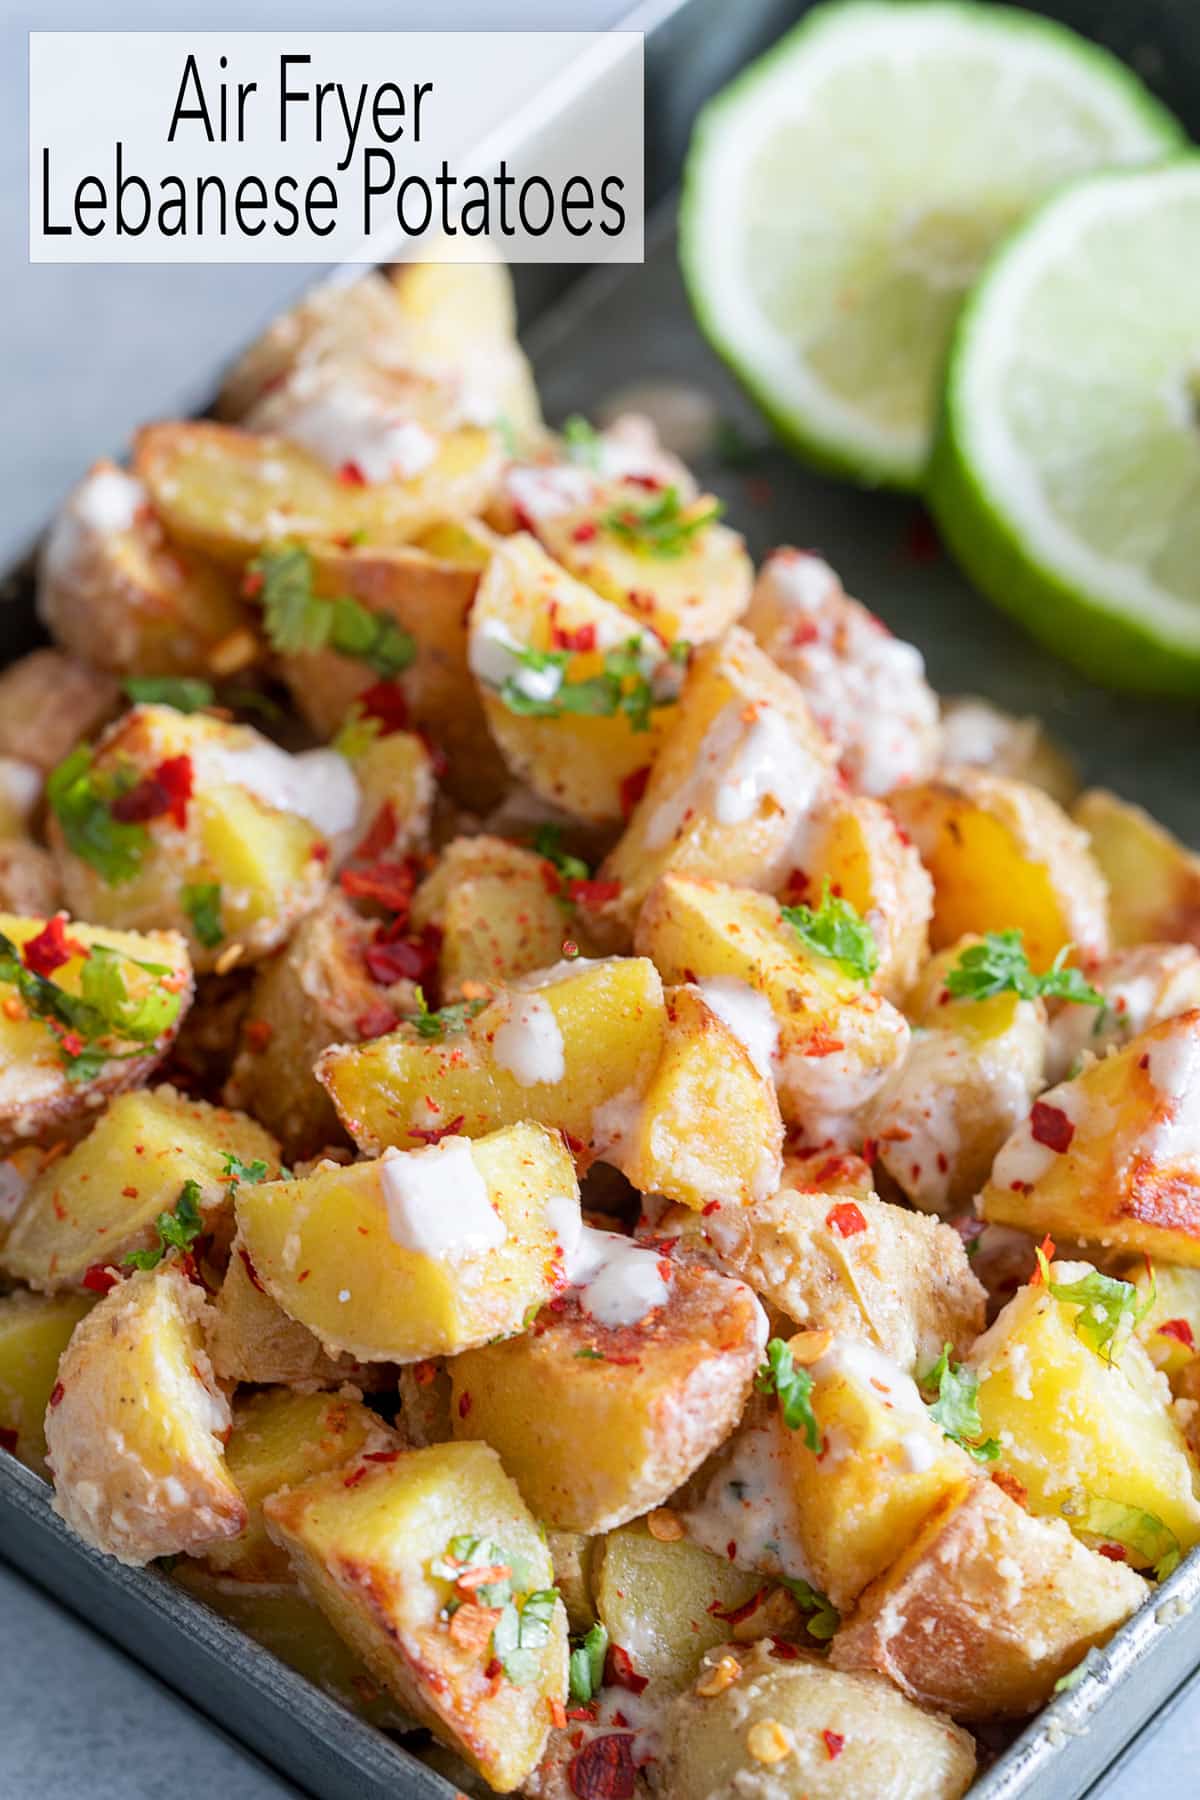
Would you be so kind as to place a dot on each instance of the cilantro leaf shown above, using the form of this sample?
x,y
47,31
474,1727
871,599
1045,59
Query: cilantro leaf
x,y
446,1021
663,526
237,1170
185,693
81,802
824,1617
624,687
956,1408
836,930
1143,1533
582,442
141,1018
102,1009
779,1375
297,619
999,965
202,904
176,1230
548,843
520,1632
356,733
586,1666
1108,1307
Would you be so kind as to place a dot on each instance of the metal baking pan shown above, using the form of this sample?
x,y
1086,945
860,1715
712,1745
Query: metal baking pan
x,y
591,334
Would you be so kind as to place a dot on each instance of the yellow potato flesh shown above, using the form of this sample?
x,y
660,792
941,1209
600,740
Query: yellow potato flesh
x,y
665,1604
34,1331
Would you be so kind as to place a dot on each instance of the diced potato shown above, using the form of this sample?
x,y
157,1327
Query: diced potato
x,y
858,1267
97,1203
278,1440
463,317
581,762
424,1390
495,906
837,1041
979,735
135,1424
1141,986
252,1339
41,1096
231,818
1075,1428
370,1551
230,493
1153,879
28,878
666,1603
971,1073
20,797
1170,1326
726,1743
421,1253
741,766
597,1423
1111,1157
34,1331
610,1017
318,992
48,701
856,846
1004,856
708,1128
573,1556
113,591
984,1611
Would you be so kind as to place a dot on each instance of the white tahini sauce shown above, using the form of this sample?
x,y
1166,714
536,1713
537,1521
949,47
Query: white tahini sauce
x,y
748,754
1141,986
437,1201
617,1281
317,784
1174,1070
106,501
748,1015
545,492
529,1044
853,1359
747,1515
346,425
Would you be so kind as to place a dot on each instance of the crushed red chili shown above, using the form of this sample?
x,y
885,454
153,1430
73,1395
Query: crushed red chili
x,y
99,1280
51,948
385,701
835,1743
604,1769
433,1134
620,1672
1180,1330
632,789
846,1218
1049,1125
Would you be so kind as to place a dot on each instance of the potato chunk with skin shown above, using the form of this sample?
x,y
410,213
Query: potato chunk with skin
x,y
1083,1434
723,1746
135,1423
94,1205
1141,986
395,775
1169,1328
574,1046
837,1041
217,806
498,909
48,701
250,1338
34,1331
421,1253
1112,1156
379,1555
1153,879
28,878
666,1602
978,735
741,768
45,1092
598,1422
856,846
1003,856
983,1612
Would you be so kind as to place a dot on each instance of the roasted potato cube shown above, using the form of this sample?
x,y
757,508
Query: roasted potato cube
x,y
665,1602
709,1127
536,635
1141,986
34,1331
1111,1156
1169,1328
601,1410
856,846
983,1612
279,1440
1083,1419
575,1047
252,1339
230,493
20,796
810,1732
421,1253
384,1550
28,878
741,766
499,910
573,1556
976,734
1004,856
113,591
49,701
463,317
1153,879
396,781
135,1423
318,991
184,822
836,1041
126,994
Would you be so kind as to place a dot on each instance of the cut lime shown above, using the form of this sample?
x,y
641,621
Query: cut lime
x,y
841,195
1066,475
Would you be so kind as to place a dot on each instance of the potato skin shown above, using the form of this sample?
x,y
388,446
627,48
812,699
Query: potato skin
x,y
986,1609
29,881
251,1339
48,702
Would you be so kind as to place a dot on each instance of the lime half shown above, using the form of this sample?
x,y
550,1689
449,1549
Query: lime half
x,y
1066,476
840,197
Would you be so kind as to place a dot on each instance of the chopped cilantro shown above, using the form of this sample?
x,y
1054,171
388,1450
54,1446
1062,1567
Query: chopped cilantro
x,y
662,527
956,1408
521,1631
183,692
586,1667
824,1618
590,1355
237,1170
357,732
140,1017
1143,1533
1074,1676
447,1020
103,1008
779,1375
81,801
836,930
999,965
548,843
625,686
298,619
582,442
1108,1308
202,904
176,1230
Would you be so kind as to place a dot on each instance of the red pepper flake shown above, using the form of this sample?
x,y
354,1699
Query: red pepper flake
x,y
736,1614
1047,1248
381,1456
1114,1552
731,1549
351,474
258,1034
355,1476
163,793
380,837
99,1280
551,878
593,893
320,851
464,1405
1049,1125
1178,1329
8,1439
494,1670
399,959
580,641
710,1207
781,1648
250,1269
424,1372
51,948
822,1044
253,582
1144,1061
376,1022
587,1713
388,884
433,1134
583,533
56,1393
385,701
558,1715
846,1218
632,789
620,1672
835,1743
604,1769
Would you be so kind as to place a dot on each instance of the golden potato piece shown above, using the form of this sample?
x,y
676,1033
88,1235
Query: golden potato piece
x,y
665,1601
1004,857
599,1421
135,1424
34,1331
395,775
421,1253
983,1612
1153,879
1111,1157
574,1046
252,1339
461,318
501,909
48,701
856,846
383,1550
1169,1328
811,1732
976,734
20,796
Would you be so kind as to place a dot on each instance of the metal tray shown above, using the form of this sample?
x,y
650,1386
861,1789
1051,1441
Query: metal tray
x,y
591,334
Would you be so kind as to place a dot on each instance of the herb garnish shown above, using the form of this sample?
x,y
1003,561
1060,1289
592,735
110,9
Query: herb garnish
x,y
823,1617
81,800
956,1408
201,901
184,692
103,1008
446,1021
1144,1533
491,1577
237,1170
582,442
624,687
1108,1308
298,619
779,1375
176,1230
836,930
662,527
999,965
